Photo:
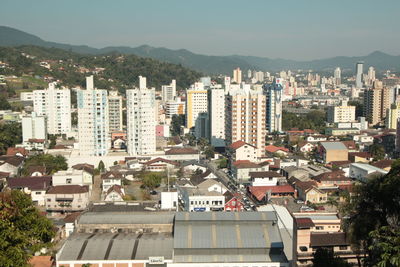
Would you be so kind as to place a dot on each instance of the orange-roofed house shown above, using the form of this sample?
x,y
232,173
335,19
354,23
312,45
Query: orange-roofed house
x,y
41,261
241,150
277,149
263,193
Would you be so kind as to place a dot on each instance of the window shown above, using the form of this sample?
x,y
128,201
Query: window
x,y
342,247
68,180
303,248
38,193
49,199
319,228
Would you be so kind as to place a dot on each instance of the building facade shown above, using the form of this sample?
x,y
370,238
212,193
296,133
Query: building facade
x,y
169,91
141,126
273,115
196,103
115,112
55,104
342,113
93,129
33,127
216,107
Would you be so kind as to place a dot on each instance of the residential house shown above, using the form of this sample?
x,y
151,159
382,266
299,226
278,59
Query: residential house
x,y
11,164
160,165
385,164
17,151
114,193
333,180
233,201
36,170
266,178
35,144
316,138
67,198
360,157
281,151
199,178
262,194
111,178
241,150
309,192
88,169
73,176
333,151
35,186
69,223
306,147
241,169
351,145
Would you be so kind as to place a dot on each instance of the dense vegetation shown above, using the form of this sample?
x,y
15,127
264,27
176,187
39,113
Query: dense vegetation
x,y
374,219
23,231
10,135
52,163
115,71
314,120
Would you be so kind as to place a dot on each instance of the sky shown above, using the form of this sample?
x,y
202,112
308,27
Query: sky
x,y
290,29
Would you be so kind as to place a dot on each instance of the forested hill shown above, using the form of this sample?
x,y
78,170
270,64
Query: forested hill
x,y
111,71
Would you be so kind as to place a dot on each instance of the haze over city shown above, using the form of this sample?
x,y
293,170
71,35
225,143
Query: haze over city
x,y
300,30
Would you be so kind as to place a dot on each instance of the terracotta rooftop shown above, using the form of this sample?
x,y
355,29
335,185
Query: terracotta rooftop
x,y
259,192
84,166
385,163
31,182
332,176
181,150
304,223
273,149
245,164
239,144
41,261
12,160
68,189
35,140
111,175
306,185
33,169
115,188
12,151
162,160
71,217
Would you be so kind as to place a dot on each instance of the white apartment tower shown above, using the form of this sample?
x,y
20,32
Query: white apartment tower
x,y
359,74
216,107
342,113
237,76
141,126
93,129
115,112
196,103
245,118
55,104
273,115
33,127
169,91
337,75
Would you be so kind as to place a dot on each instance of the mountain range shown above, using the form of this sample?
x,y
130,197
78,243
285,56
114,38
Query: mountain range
x,y
208,64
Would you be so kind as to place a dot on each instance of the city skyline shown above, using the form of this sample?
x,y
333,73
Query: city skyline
x,y
299,30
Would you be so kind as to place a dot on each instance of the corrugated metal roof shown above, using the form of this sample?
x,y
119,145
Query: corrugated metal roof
x,y
126,218
333,145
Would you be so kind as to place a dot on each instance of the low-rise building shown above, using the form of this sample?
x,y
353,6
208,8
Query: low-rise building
x,y
233,202
363,172
111,178
262,194
72,176
309,192
341,131
266,178
11,164
241,169
241,150
114,193
182,154
160,165
67,198
35,186
333,151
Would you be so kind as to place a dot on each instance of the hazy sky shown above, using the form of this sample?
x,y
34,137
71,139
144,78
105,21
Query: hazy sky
x,y
297,29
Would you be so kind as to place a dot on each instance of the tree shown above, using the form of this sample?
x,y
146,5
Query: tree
x,y
209,152
374,222
101,167
51,163
23,231
176,123
223,163
53,141
325,258
10,135
4,105
151,180
377,152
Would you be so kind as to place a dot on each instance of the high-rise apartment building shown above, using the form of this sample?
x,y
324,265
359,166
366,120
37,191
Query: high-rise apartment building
x,y
337,75
371,75
237,76
141,126
359,74
176,107
93,129
342,113
169,91
273,115
245,118
376,103
392,115
216,111
33,127
55,104
115,112
196,103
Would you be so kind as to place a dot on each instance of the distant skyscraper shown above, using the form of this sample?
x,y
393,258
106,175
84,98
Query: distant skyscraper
x,y
115,111
371,75
141,126
237,76
359,74
55,104
273,93
216,111
337,75
93,129
169,91
249,74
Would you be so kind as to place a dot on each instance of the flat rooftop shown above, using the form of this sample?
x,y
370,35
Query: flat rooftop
x,y
149,217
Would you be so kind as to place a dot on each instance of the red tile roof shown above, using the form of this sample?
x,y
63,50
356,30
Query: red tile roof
x,y
332,176
245,164
71,217
273,149
35,140
259,192
68,189
35,183
41,261
111,175
115,188
385,163
181,150
304,223
12,151
239,144
328,239
349,144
